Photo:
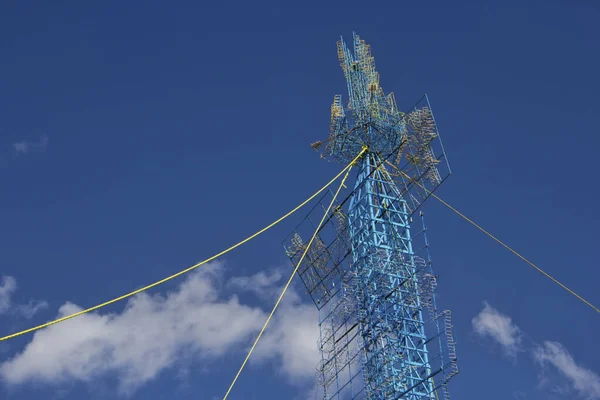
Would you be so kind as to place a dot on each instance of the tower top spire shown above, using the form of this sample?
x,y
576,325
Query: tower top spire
x,y
408,142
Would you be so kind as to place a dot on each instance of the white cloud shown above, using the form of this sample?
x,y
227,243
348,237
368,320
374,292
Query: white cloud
x,y
293,332
30,309
24,146
292,339
261,284
8,286
21,147
154,332
491,323
583,380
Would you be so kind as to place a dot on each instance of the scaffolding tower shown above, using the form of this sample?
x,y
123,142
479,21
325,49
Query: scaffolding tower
x,y
368,272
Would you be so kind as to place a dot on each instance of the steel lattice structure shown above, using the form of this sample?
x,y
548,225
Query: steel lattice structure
x,y
368,273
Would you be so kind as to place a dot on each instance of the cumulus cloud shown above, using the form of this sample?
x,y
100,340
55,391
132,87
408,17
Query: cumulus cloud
x,y
154,332
292,341
551,356
30,309
495,325
583,380
262,284
25,147
8,286
292,338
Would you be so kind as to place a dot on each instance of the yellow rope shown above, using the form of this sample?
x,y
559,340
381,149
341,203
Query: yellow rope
x,y
435,390
547,275
56,321
292,276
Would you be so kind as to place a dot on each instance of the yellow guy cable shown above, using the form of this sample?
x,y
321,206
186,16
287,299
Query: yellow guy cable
x,y
56,321
434,390
547,275
292,276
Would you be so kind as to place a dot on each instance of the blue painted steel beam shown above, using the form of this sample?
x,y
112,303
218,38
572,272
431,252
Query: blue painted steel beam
x,y
381,334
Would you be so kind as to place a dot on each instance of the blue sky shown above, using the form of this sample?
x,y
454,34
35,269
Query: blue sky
x,y
137,139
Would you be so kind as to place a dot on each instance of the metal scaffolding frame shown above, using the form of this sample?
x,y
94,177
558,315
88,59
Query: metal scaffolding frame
x,y
369,275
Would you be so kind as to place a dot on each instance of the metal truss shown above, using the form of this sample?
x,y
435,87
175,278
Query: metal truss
x,y
368,273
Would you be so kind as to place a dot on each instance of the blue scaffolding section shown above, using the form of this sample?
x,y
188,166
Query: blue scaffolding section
x,y
368,273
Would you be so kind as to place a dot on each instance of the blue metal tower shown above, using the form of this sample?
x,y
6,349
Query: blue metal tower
x,y
368,272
